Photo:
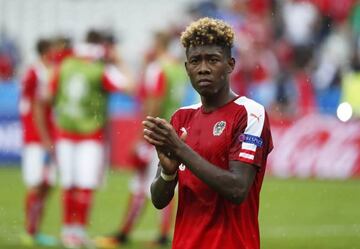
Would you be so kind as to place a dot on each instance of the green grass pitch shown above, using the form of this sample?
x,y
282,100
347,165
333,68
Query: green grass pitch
x,y
295,214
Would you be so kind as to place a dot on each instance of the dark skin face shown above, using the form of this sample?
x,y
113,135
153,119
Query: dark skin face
x,y
208,68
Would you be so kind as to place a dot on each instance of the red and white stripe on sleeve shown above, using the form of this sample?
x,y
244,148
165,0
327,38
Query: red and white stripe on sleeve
x,y
252,134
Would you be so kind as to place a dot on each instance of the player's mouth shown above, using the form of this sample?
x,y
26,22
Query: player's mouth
x,y
204,82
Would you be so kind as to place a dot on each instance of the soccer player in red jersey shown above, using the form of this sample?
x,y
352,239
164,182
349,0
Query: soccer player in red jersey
x,y
37,168
215,151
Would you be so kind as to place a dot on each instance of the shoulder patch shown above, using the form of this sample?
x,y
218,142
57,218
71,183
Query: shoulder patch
x,y
250,139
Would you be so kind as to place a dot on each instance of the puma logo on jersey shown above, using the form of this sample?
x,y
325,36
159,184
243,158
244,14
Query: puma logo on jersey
x,y
257,117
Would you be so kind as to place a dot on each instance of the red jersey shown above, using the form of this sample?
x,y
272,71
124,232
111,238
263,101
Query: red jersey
x,y
239,131
35,84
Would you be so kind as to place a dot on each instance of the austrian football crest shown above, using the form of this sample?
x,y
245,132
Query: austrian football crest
x,y
219,128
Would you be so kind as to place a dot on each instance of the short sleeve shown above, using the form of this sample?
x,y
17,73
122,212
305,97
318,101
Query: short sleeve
x,y
251,137
28,86
54,81
155,81
113,79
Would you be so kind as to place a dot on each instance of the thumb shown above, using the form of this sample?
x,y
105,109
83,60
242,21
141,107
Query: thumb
x,y
184,134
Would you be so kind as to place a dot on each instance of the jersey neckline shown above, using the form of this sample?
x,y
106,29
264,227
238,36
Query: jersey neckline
x,y
220,107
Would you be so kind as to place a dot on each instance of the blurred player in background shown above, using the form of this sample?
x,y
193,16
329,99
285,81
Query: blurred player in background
x,y
161,93
216,151
37,165
62,48
79,93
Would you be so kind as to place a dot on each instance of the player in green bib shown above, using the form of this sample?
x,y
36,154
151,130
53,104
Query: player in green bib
x,y
81,98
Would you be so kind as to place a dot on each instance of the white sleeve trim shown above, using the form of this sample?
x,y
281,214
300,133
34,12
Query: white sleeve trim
x,y
246,155
116,77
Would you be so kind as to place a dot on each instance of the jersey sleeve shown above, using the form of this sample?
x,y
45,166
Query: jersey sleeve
x,y
113,79
251,138
54,81
28,86
154,81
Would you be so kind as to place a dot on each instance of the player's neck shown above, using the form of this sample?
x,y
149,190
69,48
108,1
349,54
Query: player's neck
x,y
211,103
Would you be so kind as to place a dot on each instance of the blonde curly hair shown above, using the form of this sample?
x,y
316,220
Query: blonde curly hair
x,y
208,31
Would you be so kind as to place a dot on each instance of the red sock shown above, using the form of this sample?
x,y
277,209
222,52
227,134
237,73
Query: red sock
x,y
33,211
83,205
69,206
166,219
135,206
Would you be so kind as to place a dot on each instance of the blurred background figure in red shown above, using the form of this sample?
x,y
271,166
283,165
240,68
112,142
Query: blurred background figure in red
x,y
38,164
161,91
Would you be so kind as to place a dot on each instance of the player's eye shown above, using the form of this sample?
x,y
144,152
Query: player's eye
x,y
194,61
213,60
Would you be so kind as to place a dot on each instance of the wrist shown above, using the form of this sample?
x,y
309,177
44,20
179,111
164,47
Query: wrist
x,y
168,177
180,150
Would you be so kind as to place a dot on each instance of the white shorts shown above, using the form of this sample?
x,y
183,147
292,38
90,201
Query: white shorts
x,y
141,182
35,168
81,163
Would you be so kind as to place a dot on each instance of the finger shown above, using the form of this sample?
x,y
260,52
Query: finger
x,y
163,123
150,119
153,135
166,128
152,141
149,124
156,128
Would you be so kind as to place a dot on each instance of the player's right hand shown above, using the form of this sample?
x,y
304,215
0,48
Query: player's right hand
x,y
162,135
168,163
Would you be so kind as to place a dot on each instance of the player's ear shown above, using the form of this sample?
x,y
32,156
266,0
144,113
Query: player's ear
x,y
231,64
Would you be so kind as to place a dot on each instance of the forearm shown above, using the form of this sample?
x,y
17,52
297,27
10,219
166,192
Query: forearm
x,y
129,86
40,122
162,191
152,106
227,183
